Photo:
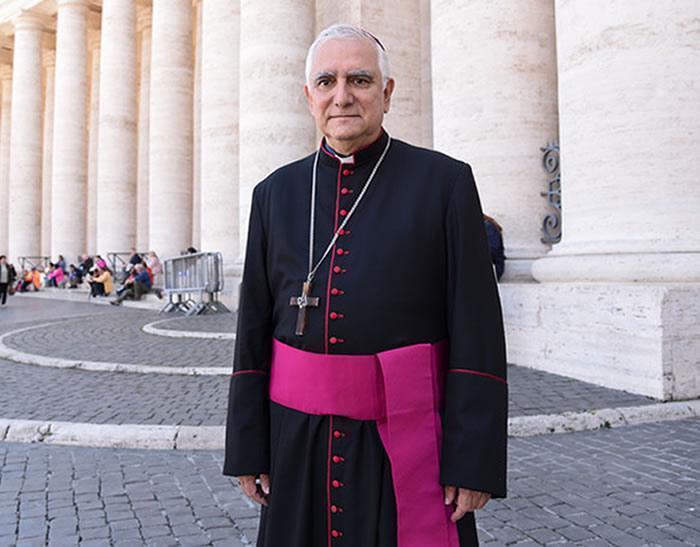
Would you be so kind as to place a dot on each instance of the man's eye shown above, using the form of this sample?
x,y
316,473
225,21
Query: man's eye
x,y
362,82
323,83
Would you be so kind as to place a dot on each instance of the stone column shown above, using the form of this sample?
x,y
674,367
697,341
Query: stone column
x,y
116,156
170,139
25,139
93,141
69,158
5,123
144,26
275,125
628,92
197,218
495,105
49,59
219,160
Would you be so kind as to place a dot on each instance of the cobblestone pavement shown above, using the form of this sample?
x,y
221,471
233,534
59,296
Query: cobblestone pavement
x,y
631,486
224,322
114,335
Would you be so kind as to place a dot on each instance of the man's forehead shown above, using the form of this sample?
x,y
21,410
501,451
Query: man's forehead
x,y
346,54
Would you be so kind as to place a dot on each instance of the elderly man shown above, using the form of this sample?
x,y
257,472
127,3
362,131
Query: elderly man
x,y
368,400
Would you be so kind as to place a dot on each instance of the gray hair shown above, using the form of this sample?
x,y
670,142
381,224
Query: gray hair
x,y
342,31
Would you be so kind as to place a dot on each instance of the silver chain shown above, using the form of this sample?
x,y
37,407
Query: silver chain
x,y
313,269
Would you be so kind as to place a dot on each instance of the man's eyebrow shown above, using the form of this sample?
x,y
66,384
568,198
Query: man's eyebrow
x,y
324,74
360,73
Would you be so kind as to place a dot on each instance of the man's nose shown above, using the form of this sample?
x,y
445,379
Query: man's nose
x,y
343,94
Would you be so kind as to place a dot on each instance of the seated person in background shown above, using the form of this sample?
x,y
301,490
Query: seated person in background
x,y
31,280
129,275
100,283
85,266
55,276
100,263
494,233
74,277
136,287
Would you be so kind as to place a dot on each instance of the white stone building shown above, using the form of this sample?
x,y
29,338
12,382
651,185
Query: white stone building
x,y
136,123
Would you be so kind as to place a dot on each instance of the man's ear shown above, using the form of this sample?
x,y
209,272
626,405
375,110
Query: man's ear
x,y
307,94
388,90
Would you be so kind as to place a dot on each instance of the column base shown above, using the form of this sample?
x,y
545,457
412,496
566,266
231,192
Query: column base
x,y
673,267
641,338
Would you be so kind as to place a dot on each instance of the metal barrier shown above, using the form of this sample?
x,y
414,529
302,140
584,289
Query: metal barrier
x,y
118,262
29,262
193,283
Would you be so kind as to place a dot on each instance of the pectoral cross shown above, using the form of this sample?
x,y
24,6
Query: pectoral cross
x,y
303,302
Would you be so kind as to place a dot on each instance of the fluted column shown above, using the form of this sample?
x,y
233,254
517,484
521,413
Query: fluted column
x,y
170,145
5,123
197,197
144,26
630,146
49,59
116,156
93,141
69,165
219,147
275,125
25,139
495,105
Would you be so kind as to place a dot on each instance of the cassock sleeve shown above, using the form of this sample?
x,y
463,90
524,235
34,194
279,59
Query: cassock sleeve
x,y
248,421
476,392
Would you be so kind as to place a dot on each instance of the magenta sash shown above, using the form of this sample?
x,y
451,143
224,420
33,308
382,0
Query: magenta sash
x,y
401,389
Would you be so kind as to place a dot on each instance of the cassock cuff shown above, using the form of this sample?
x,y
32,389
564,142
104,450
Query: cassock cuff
x,y
248,425
475,433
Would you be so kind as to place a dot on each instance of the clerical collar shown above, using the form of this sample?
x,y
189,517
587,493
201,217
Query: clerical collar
x,y
366,154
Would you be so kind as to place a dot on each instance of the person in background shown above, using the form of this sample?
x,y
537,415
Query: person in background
x,y
55,276
155,266
86,264
7,278
61,263
135,287
74,277
100,282
494,233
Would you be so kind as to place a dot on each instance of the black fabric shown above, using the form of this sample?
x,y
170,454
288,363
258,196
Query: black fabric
x,y
414,267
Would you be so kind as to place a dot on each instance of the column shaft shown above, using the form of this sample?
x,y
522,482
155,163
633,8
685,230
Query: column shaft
x,y
25,140
93,136
116,160
219,146
170,139
628,81
142,177
275,125
495,105
5,123
47,157
69,154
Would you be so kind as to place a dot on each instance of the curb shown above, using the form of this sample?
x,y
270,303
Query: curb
x,y
182,437
97,366
153,437
54,294
150,328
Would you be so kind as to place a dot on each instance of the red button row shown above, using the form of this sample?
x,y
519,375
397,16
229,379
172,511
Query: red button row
x,y
337,484
338,459
336,292
347,172
342,252
336,533
337,434
335,315
336,509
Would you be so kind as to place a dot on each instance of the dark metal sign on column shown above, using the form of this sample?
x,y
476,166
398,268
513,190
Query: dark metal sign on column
x,y
551,225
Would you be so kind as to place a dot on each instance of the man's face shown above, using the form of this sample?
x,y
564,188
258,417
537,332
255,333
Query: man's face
x,y
346,94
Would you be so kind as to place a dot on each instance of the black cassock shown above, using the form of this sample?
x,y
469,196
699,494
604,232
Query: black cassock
x,y
413,266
